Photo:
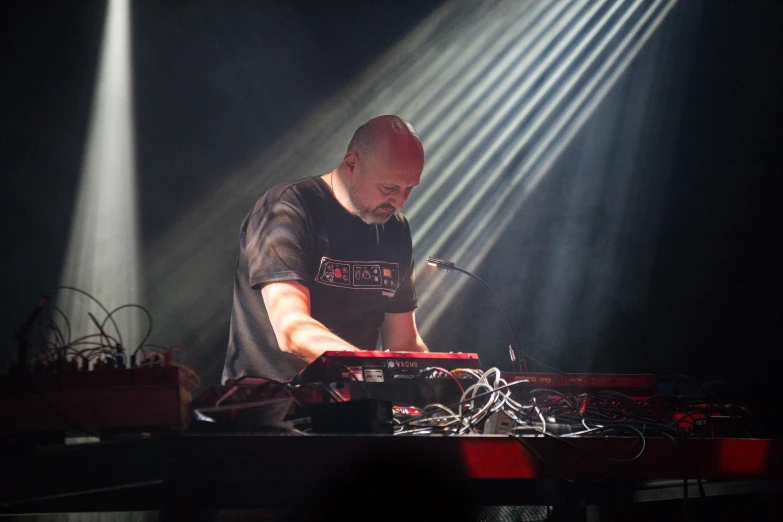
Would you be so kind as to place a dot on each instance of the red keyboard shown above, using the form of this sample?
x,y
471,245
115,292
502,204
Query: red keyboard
x,y
382,367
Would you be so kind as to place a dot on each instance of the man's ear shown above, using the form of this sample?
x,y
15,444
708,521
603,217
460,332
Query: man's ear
x,y
350,161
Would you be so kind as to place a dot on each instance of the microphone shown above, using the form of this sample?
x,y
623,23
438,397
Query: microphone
x,y
514,352
21,339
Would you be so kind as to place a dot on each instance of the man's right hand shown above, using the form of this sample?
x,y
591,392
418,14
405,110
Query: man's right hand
x,y
288,306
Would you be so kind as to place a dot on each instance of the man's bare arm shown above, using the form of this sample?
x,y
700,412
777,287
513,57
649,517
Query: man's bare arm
x,y
399,333
288,306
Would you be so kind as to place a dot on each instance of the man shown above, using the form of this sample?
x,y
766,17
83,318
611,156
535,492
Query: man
x,y
325,263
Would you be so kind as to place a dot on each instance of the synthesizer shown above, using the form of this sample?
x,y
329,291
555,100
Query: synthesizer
x,y
633,385
117,399
382,367
404,378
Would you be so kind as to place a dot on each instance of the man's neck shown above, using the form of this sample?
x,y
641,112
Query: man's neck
x,y
338,189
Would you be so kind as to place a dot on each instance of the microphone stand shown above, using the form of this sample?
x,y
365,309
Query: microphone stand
x,y
21,339
515,354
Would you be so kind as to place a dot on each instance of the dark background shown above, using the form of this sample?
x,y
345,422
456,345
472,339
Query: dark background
x,y
217,83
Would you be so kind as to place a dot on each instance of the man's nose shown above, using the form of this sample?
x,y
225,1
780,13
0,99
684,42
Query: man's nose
x,y
398,201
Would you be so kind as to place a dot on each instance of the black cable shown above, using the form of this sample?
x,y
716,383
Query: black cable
x,y
105,310
52,324
621,396
603,457
598,414
456,404
589,412
615,469
318,385
65,318
682,464
593,454
743,409
686,448
474,423
355,378
56,353
41,340
62,350
684,482
58,333
684,467
532,450
536,391
453,378
100,350
288,391
162,348
101,330
643,421
440,408
149,324
661,428
284,386
629,414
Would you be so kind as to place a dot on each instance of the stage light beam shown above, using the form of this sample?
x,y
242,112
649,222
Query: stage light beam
x,y
102,251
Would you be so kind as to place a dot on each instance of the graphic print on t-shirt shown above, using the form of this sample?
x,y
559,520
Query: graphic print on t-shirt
x,y
360,275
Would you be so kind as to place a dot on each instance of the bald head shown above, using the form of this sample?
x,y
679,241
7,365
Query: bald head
x,y
389,139
383,163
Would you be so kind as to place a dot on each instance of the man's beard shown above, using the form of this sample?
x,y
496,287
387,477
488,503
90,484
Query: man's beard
x,y
377,216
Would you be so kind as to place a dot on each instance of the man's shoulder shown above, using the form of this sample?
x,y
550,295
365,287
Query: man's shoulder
x,y
295,190
299,193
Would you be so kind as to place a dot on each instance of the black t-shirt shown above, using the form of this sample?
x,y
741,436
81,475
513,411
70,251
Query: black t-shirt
x,y
355,273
